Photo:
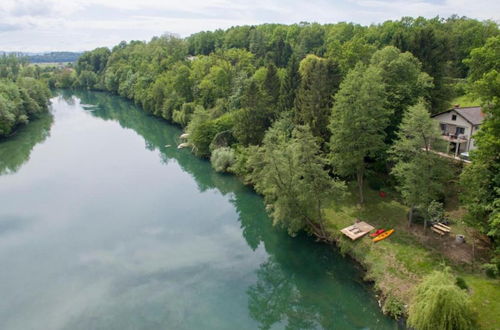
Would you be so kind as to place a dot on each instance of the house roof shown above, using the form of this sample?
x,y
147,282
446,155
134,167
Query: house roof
x,y
473,115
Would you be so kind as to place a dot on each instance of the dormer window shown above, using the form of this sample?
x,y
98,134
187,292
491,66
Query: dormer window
x,y
453,117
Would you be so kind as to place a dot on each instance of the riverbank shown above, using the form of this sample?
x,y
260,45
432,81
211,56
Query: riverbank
x,y
397,264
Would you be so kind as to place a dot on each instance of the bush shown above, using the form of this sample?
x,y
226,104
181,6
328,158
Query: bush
x,y
460,282
222,159
491,270
202,130
183,116
439,304
393,307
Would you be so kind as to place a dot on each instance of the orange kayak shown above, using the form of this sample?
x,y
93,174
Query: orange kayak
x,y
384,235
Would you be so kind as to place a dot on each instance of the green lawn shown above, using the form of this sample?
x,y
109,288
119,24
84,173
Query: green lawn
x,y
396,263
485,299
399,262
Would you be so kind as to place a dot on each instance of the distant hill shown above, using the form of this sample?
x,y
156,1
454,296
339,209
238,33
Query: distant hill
x,y
52,57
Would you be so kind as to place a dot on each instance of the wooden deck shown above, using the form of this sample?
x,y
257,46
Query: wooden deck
x,y
359,229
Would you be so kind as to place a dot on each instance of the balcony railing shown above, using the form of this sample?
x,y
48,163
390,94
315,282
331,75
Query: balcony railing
x,y
455,138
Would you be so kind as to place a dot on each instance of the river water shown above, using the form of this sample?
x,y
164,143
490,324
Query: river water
x,y
105,224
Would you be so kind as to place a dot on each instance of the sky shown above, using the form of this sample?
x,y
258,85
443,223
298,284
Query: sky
x,y
76,25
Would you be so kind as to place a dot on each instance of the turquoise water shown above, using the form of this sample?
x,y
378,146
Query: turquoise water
x,y
104,224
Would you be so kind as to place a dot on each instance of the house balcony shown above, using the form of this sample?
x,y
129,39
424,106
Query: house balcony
x,y
454,138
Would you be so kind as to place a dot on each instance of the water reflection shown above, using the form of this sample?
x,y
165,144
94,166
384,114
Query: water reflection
x,y
301,285
16,149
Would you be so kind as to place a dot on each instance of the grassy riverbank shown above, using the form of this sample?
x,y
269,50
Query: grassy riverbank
x,y
397,264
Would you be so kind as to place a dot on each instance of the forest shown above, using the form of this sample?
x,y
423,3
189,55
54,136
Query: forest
x,y
22,96
301,111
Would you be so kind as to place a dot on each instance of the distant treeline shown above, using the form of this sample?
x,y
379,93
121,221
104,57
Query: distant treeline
x,y
55,57
52,57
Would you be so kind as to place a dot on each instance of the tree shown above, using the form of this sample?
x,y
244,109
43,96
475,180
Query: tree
x,y
289,170
320,79
440,304
271,87
87,79
420,173
289,85
404,83
255,117
481,180
358,122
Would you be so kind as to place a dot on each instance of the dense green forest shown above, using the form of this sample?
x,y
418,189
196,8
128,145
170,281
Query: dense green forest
x,y
346,96
22,96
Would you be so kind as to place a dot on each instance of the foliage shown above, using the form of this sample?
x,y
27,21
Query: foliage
x,y
227,87
481,180
419,172
222,159
393,307
184,114
460,282
404,83
319,80
491,270
203,130
290,172
358,122
435,211
21,98
440,304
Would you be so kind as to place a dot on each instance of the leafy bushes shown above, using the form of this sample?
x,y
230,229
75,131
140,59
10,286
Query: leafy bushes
x,y
184,114
491,270
393,307
460,282
202,130
222,159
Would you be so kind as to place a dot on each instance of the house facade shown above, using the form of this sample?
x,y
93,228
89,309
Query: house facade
x,y
458,126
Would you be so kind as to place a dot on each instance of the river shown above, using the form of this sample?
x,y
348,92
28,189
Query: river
x,y
105,224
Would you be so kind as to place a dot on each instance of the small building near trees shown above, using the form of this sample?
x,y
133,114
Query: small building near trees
x,y
458,125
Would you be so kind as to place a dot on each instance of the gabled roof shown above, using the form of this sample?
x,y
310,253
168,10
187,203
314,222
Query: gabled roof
x,y
473,115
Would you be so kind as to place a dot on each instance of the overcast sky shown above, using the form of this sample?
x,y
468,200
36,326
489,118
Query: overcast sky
x,y
45,25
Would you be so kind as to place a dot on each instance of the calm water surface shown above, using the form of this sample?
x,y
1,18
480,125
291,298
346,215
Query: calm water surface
x,y
104,224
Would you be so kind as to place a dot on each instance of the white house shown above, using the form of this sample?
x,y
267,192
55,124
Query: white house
x,y
458,125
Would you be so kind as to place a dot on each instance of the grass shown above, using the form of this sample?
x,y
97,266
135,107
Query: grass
x,y
394,264
485,299
397,264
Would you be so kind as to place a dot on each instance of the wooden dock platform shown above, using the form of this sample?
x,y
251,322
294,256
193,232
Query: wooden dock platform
x,y
359,229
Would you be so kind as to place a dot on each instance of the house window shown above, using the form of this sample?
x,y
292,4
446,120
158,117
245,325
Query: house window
x,y
460,130
443,127
453,117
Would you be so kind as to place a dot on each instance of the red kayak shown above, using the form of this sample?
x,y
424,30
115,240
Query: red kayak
x,y
378,232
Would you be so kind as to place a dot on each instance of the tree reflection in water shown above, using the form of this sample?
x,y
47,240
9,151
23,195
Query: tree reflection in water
x,y
16,149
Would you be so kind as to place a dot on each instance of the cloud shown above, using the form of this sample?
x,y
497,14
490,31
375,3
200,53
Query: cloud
x,y
43,25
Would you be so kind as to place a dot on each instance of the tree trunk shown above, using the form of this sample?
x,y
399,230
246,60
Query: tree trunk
x,y
410,217
360,185
471,234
